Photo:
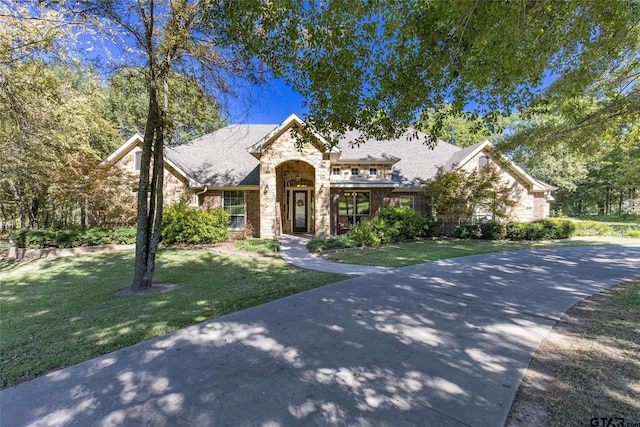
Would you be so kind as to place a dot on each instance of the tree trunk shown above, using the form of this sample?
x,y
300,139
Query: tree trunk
x,y
141,278
150,196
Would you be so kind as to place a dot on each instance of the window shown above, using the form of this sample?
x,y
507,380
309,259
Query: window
x,y
336,171
373,172
355,171
483,163
233,202
355,205
406,202
138,161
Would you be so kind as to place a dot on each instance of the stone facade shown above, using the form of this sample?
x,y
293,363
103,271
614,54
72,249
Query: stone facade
x,y
175,187
525,199
282,152
290,185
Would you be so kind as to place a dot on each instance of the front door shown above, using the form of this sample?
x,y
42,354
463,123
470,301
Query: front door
x,y
300,212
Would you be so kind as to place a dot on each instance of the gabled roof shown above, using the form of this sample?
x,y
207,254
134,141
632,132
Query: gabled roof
x,y
229,156
413,160
463,156
132,142
293,121
221,159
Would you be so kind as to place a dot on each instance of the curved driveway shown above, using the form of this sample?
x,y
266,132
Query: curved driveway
x,y
444,343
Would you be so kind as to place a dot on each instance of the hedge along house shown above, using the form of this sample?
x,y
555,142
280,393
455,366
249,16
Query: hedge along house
x,y
272,182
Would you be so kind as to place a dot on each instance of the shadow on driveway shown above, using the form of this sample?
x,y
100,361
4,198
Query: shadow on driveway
x,y
443,343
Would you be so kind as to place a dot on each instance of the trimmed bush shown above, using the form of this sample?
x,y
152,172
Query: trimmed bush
x,y
69,238
98,236
544,229
516,231
401,223
124,235
493,230
467,231
186,224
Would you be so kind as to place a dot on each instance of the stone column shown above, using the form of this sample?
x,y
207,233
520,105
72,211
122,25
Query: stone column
x,y
323,199
267,201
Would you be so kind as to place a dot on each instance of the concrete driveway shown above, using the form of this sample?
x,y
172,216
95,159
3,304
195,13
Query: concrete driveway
x,y
443,343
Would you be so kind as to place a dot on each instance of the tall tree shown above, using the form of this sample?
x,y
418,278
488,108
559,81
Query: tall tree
x,y
164,37
192,112
377,66
50,110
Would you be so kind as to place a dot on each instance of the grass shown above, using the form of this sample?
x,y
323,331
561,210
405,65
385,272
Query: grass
x,y
588,366
61,311
261,246
408,253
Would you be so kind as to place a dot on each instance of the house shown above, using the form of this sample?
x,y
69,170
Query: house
x,y
272,182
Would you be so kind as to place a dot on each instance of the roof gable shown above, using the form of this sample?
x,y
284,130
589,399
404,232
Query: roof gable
x,y
124,149
291,122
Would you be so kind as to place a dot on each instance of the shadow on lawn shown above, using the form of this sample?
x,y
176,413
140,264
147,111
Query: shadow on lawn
x,y
444,343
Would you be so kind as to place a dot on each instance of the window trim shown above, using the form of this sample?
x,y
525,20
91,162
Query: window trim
x,y
354,217
375,172
225,207
335,171
357,170
137,161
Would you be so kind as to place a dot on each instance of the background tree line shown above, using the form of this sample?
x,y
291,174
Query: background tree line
x,y
61,117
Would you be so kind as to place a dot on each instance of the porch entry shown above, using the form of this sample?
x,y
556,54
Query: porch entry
x,y
300,211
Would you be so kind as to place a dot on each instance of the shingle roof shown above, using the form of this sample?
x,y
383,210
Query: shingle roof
x,y
222,158
417,160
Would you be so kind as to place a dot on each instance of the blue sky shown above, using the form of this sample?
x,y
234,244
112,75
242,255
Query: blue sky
x,y
271,103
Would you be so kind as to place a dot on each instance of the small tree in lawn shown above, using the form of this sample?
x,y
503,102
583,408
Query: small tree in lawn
x,y
456,194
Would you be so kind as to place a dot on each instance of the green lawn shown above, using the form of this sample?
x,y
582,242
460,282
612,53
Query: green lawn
x,y
408,253
62,311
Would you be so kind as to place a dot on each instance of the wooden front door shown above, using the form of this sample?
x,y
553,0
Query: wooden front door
x,y
300,212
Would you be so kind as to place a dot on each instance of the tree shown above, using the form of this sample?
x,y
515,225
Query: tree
x,y
459,128
377,66
50,111
457,195
164,37
192,112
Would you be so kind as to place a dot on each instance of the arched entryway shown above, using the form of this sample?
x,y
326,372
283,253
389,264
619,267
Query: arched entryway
x,y
295,184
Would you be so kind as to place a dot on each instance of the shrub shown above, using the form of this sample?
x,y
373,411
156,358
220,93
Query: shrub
x,y
98,236
69,238
19,237
430,227
371,233
467,231
401,223
38,239
516,231
186,224
493,230
125,235
543,229
566,228
633,232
